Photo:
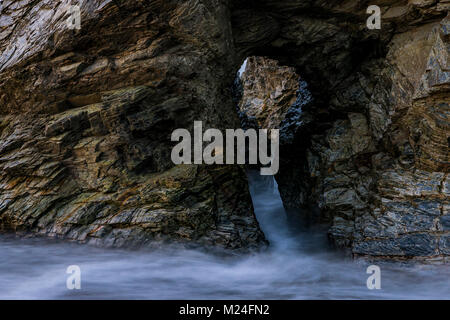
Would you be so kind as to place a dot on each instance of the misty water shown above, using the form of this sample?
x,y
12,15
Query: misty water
x,y
297,265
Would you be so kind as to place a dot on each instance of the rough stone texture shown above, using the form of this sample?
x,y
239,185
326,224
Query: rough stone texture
x,y
410,220
86,118
368,137
268,91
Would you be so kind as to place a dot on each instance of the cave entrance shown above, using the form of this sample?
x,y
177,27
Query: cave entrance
x,y
269,95
327,131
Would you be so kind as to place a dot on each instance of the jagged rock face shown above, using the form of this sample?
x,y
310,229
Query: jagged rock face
x,y
365,145
86,118
268,91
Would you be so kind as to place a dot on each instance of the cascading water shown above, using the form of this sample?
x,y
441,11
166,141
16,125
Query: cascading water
x,y
297,265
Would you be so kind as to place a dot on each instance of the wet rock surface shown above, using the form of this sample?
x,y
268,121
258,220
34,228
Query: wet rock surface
x,y
86,123
268,91
86,117
365,148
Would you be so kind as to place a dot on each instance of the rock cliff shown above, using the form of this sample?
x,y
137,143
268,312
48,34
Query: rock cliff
x,y
365,144
86,117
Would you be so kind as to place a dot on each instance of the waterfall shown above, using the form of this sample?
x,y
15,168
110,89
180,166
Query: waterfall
x,y
270,211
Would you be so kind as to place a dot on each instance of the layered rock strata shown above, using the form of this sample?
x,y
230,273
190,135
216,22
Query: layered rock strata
x,y
86,123
86,117
364,150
